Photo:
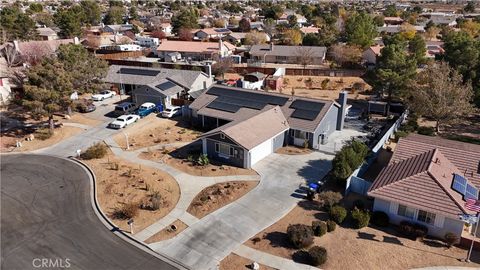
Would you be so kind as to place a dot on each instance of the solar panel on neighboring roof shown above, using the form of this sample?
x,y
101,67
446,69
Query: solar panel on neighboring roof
x,y
307,105
217,105
165,85
255,97
305,114
459,184
140,72
241,102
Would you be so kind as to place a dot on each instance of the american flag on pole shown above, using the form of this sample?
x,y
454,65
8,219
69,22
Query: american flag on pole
x,y
473,205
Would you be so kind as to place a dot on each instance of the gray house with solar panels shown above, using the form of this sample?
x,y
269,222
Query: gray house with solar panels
x,y
427,181
246,126
158,85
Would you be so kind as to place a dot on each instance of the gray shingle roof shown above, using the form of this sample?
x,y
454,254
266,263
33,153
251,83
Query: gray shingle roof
x,y
281,50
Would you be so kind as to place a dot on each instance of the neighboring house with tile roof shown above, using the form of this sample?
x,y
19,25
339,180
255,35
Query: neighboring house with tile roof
x,y
194,49
281,54
211,33
271,120
417,185
370,54
158,85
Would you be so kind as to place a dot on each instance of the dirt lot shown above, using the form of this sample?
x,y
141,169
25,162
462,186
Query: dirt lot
x,y
366,248
8,141
311,86
178,158
168,232
235,262
293,150
215,197
80,118
153,130
120,182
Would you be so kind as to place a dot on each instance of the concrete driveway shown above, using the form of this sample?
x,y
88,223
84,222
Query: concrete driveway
x,y
46,213
204,244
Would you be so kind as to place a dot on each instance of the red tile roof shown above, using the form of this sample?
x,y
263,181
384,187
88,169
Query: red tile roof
x,y
420,174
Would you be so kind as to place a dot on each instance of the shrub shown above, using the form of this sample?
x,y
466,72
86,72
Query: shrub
x,y
348,159
358,86
338,214
413,231
98,150
359,204
127,211
318,255
361,218
324,83
43,133
429,131
203,160
406,228
330,198
451,239
300,235
331,225
380,218
319,228
420,231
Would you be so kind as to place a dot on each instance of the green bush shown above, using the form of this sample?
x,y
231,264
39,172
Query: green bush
x,y
451,239
429,131
318,255
203,160
413,231
330,198
360,218
331,225
300,235
380,219
98,150
400,134
319,228
348,159
338,214
359,204
324,84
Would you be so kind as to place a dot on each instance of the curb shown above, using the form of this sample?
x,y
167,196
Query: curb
x,y
114,229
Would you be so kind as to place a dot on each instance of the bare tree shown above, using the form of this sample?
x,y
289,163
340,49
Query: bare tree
x,y
34,52
345,55
439,92
12,56
93,42
222,66
255,38
304,56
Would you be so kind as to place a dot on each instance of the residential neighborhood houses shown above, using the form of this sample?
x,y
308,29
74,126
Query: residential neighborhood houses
x,y
240,134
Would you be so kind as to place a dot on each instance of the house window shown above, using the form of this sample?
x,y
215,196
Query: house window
x,y
300,134
426,217
406,211
222,136
281,58
224,149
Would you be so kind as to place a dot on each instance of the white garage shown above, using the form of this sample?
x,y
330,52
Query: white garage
x,y
266,148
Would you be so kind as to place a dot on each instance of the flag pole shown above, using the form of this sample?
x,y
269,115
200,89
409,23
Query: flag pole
x,y
473,239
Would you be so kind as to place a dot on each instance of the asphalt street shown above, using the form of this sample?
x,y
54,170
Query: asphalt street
x,y
47,220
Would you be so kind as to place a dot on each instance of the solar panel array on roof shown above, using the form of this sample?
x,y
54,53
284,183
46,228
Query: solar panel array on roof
x,y
307,110
250,96
461,185
217,105
141,72
166,85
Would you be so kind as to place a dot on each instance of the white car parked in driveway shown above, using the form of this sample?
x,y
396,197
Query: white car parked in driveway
x,y
124,121
172,112
103,95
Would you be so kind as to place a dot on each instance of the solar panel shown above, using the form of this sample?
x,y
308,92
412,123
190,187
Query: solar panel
x,y
217,105
305,114
307,105
459,184
471,192
253,97
165,85
242,102
140,72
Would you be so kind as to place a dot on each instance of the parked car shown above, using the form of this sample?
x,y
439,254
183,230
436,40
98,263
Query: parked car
x,y
146,109
84,106
125,108
103,95
123,121
172,112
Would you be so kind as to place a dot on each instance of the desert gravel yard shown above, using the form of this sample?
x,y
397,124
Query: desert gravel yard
x,y
120,183
235,262
367,248
169,232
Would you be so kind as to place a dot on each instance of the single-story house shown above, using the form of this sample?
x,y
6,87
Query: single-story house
x,y
146,41
427,181
270,53
211,33
117,28
370,54
237,37
309,30
248,125
301,20
195,50
393,20
158,85
434,48
47,33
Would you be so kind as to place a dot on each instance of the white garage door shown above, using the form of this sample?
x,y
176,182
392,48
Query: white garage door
x,y
261,151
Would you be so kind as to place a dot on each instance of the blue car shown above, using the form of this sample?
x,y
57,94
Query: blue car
x,y
146,109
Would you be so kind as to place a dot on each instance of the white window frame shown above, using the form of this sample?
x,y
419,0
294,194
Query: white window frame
x,y
222,136
428,215
224,150
297,132
408,211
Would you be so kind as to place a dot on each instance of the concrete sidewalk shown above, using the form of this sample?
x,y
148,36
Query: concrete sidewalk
x,y
270,260
204,244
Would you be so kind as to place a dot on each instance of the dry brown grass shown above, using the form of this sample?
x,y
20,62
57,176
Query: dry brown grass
x,y
120,183
235,262
168,232
216,196
367,248
293,150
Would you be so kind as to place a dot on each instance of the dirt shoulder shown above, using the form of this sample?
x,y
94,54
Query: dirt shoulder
x,y
120,182
366,248
216,196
